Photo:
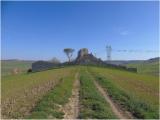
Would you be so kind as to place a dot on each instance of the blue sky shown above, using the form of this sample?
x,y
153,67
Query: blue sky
x,y
41,30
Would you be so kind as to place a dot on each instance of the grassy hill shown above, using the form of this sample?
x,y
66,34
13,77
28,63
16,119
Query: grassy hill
x,y
8,65
137,92
21,92
43,94
146,67
150,66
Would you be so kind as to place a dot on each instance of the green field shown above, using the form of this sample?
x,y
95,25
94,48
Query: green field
x,y
42,94
132,90
8,65
151,68
92,103
19,93
47,106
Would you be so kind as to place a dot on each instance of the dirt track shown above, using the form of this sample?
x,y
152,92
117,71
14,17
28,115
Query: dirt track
x,y
71,109
115,108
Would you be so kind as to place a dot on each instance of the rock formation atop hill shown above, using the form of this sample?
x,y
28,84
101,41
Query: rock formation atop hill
x,y
85,58
156,59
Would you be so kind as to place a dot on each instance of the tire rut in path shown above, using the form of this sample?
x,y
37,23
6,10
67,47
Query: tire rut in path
x,y
71,109
115,108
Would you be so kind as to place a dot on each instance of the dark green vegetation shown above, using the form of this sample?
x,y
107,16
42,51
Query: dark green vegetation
x,y
8,65
93,105
136,93
49,105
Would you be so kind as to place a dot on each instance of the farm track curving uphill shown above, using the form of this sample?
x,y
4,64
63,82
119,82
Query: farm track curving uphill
x,y
71,109
115,108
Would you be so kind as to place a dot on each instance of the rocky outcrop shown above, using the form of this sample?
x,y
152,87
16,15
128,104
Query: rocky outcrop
x,y
85,58
82,52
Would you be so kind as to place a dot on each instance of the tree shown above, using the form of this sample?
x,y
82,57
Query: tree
x,y
69,53
55,60
29,70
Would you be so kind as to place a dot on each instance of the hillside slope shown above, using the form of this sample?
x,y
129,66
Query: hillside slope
x,y
44,94
150,66
147,67
8,65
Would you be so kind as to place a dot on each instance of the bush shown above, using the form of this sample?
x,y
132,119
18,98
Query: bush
x,y
29,70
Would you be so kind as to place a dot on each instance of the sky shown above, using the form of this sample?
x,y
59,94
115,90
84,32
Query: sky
x,y
41,30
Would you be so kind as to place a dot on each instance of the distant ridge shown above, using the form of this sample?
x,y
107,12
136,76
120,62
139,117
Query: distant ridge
x,y
10,60
124,62
17,60
154,59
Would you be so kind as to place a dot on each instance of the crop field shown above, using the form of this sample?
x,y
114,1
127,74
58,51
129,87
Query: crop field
x,y
151,68
137,93
93,105
8,65
20,93
80,92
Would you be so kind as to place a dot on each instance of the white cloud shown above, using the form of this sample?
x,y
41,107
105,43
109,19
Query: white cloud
x,y
124,33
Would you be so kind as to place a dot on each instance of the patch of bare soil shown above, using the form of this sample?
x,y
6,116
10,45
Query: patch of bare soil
x,y
71,109
117,110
